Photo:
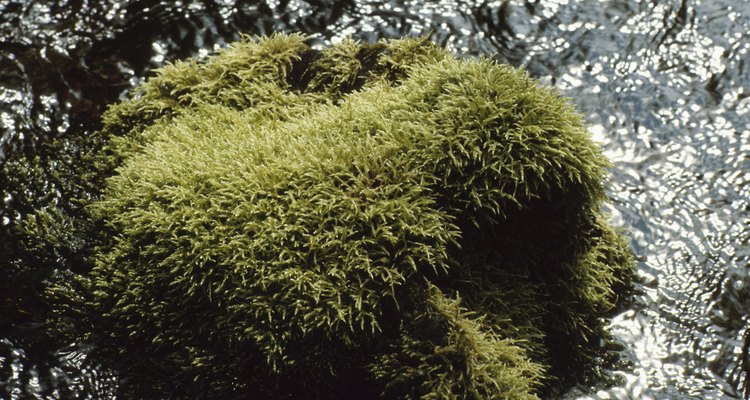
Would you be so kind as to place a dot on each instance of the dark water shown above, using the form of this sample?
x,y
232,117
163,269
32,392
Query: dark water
x,y
664,84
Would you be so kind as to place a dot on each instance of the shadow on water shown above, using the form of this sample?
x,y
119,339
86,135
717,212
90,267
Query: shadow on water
x,y
663,84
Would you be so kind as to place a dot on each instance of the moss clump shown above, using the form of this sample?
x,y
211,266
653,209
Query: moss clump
x,y
369,221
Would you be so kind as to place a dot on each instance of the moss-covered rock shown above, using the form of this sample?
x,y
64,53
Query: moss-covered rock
x,y
366,221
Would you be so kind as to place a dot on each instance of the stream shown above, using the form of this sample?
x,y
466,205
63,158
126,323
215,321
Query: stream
x,y
665,86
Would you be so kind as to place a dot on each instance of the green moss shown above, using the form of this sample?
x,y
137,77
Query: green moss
x,y
283,222
448,352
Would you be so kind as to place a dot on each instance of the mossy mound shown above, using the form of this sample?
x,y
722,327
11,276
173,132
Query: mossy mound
x,y
369,221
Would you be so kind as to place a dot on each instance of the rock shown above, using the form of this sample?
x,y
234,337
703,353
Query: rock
x,y
367,221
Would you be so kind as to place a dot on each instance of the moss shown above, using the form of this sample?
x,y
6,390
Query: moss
x,y
278,221
448,352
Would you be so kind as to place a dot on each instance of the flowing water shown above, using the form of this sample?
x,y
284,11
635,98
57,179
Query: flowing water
x,y
664,84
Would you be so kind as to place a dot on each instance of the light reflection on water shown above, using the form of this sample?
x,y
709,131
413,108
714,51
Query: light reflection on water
x,y
663,84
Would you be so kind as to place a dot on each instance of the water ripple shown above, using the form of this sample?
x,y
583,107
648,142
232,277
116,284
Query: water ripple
x,y
663,84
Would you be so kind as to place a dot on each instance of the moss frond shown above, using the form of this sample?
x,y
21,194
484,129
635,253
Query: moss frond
x,y
446,352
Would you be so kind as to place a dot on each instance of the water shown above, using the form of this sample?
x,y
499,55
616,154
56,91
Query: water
x,y
664,85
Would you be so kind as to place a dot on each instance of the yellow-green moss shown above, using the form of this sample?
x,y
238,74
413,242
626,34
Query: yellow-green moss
x,y
285,222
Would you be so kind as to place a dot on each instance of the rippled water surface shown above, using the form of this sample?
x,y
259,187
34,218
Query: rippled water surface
x,y
664,85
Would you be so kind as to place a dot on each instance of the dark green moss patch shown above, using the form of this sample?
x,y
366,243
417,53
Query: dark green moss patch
x,y
367,221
